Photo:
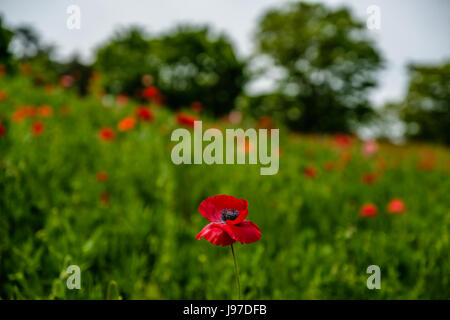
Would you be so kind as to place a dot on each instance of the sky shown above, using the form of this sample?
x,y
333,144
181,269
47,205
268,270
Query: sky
x,y
411,30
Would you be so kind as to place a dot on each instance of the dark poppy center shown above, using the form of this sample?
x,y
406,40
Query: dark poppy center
x,y
229,214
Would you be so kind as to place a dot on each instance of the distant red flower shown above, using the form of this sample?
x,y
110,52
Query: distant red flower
x,y
227,216
37,128
150,92
126,124
2,130
265,122
3,95
104,197
66,80
342,140
144,113
197,106
368,210
107,134
310,172
368,178
369,148
396,206
186,120
102,176
122,99
329,166
44,111
23,112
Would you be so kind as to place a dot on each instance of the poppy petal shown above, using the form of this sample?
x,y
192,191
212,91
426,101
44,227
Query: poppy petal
x,y
242,214
209,210
216,235
244,232
211,207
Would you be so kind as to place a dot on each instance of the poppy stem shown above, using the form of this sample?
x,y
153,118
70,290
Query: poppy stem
x,y
236,272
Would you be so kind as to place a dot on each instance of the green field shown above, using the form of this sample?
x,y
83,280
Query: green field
x,y
133,236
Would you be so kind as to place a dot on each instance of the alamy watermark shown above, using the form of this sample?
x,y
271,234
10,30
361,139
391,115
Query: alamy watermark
x,y
74,280
249,143
374,17
374,281
74,19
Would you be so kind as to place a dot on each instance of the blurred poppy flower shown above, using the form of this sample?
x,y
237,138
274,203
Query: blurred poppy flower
x,y
3,95
396,206
235,117
126,124
329,166
104,197
369,148
66,80
44,111
265,122
342,140
186,120
310,172
368,210
2,130
368,178
227,216
197,106
107,134
37,128
23,112
102,176
144,114
122,99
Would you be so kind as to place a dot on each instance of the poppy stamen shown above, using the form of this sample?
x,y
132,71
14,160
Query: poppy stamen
x,y
229,214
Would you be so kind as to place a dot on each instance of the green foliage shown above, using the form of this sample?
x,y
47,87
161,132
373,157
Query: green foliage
x,y
141,245
187,64
5,39
329,64
426,108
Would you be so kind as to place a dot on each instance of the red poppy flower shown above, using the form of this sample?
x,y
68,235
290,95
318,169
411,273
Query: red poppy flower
x,y
126,124
228,225
45,111
368,178
104,197
342,140
368,210
66,81
329,166
122,99
107,134
2,130
186,120
396,206
38,128
102,176
309,172
151,93
3,95
144,114
369,148
197,106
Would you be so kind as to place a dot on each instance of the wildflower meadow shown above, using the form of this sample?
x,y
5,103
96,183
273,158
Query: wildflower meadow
x,y
90,182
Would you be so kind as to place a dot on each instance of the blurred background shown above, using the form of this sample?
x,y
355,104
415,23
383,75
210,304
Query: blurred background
x,y
90,92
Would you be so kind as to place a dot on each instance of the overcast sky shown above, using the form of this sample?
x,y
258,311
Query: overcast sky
x,y
411,30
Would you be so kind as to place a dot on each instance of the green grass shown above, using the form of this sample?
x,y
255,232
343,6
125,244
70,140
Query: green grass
x,y
141,244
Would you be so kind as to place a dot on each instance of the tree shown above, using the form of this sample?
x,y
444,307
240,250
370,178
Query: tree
x,y
187,64
426,108
329,65
5,40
